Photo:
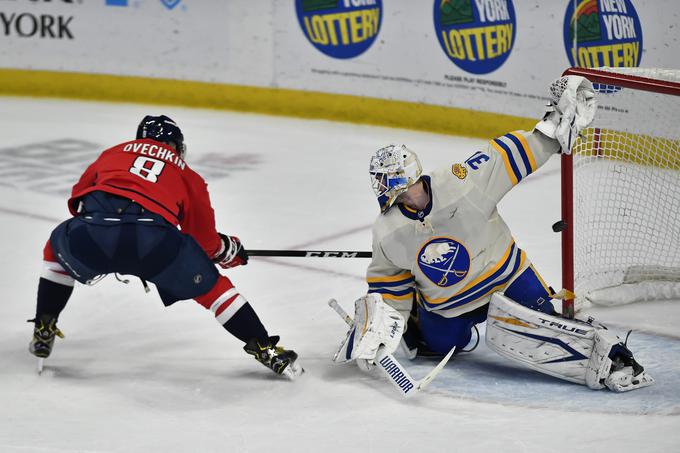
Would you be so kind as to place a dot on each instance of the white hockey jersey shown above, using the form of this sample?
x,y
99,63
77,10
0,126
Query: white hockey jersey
x,y
457,251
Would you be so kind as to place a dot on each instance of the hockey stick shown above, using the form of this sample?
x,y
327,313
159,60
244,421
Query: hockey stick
x,y
311,253
394,371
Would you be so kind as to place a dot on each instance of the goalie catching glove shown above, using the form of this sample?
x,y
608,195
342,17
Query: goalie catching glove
x,y
231,253
376,325
571,109
582,352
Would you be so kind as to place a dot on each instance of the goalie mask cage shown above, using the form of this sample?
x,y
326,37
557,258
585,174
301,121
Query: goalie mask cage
x,y
621,192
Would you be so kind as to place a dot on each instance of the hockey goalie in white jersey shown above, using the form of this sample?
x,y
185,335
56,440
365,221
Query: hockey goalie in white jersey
x,y
444,260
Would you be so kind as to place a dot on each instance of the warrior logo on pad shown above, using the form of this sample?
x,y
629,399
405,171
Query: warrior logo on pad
x,y
444,261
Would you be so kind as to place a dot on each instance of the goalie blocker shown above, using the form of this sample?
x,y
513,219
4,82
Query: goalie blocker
x,y
573,350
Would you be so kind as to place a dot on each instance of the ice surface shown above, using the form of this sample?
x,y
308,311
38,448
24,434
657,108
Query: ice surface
x,y
131,376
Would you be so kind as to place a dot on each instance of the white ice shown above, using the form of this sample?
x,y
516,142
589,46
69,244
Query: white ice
x,y
131,376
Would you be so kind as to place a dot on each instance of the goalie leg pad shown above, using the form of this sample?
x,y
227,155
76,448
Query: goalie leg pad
x,y
612,365
567,349
375,324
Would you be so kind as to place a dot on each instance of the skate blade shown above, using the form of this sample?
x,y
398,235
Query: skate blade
x,y
40,365
293,371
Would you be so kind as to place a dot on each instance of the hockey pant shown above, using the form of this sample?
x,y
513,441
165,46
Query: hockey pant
x,y
440,334
136,242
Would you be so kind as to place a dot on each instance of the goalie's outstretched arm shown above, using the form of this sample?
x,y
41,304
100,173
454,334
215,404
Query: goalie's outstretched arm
x,y
512,157
506,161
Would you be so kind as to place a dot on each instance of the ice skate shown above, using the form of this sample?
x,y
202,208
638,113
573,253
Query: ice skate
x,y
43,336
276,358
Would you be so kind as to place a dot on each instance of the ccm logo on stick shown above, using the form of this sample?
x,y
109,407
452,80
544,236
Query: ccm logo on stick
x,y
337,254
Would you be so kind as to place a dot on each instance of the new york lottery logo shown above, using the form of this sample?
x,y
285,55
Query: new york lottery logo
x,y
478,35
602,33
340,28
444,261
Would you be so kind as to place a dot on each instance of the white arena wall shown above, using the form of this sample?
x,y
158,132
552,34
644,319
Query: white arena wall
x,y
471,67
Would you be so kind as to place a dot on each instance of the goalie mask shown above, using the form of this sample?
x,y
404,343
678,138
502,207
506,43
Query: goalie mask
x,y
393,170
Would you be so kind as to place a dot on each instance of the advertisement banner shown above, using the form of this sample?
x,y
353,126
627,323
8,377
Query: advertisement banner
x,y
200,40
493,56
488,55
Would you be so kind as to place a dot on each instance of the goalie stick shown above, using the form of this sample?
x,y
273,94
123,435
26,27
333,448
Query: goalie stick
x,y
394,371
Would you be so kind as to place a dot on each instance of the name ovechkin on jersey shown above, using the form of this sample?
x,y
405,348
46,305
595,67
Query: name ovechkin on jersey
x,y
155,151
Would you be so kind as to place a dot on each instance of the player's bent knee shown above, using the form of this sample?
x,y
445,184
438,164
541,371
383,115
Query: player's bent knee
x,y
530,290
222,286
440,334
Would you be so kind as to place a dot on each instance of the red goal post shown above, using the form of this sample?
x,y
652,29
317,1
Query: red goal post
x,y
621,191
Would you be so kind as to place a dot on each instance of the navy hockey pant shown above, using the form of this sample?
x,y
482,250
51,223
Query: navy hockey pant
x,y
114,234
441,334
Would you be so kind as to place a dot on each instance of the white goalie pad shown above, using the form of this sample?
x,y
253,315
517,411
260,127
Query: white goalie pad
x,y
375,324
573,350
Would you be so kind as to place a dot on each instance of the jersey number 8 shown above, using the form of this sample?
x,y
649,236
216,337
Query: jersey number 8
x,y
147,168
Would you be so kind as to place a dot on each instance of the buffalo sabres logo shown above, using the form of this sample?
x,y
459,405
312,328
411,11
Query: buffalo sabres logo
x,y
444,261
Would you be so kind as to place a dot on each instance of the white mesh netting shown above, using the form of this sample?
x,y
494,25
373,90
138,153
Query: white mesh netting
x,y
627,196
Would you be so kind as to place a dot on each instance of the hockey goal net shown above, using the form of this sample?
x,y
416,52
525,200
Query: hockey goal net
x,y
621,192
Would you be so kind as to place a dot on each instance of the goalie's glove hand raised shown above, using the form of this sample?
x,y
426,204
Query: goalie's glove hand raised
x,y
232,253
571,109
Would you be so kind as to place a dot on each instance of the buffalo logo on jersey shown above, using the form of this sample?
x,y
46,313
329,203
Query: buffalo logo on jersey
x,y
444,261
459,171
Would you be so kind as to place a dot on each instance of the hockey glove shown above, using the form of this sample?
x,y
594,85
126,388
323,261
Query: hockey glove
x,y
232,253
376,324
571,109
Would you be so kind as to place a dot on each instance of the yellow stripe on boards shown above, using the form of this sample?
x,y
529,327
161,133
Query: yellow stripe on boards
x,y
638,149
272,101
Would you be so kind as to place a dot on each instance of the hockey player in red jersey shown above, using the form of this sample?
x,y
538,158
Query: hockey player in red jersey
x,y
126,208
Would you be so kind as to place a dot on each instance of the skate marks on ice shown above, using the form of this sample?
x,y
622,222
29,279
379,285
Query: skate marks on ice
x,y
484,376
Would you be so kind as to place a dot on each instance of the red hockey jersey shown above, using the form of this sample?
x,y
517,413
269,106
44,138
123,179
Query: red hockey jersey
x,y
153,175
